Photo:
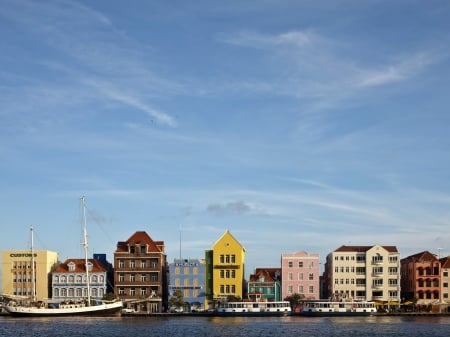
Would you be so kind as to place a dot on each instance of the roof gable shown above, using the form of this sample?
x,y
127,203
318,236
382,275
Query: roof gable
x,y
79,266
227,237
141,238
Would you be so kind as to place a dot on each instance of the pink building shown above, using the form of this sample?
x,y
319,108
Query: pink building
x,y
300,274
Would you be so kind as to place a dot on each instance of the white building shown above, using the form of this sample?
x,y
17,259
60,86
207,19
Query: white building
x,y
69,280
364,273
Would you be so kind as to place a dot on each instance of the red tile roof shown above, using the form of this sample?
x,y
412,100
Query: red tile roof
x,y
141,238
362,249
422,256
97,267
270,274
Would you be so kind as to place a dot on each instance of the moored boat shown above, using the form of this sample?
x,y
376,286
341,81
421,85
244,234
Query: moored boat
x,y
31,307
344,308
281,308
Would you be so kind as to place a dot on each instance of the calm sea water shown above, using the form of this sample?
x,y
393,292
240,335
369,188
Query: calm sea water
x,y
226,326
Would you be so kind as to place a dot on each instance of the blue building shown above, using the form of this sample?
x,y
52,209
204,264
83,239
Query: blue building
x,y
188,275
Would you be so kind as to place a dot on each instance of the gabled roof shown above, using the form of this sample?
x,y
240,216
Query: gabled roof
x,y
270,274
421,257
363,249
227,232
141,238
445,262
80,266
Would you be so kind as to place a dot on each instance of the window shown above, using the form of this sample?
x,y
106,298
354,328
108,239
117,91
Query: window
x,y
177,270
311,289
227,274
121,291
143,264
233,274
445,284
132,264
195,271
143,291
132,249
393,282
222,273
132,277
290,277
222,289
377,258
377,270
227,258
300,276
143,249
222,258
233,258
289,289
186,270
311,276
290,264
445,273
300,289
233,289
121,264
71,266
132,291
154,276
154,263
377,282
121,277
300,264
143,277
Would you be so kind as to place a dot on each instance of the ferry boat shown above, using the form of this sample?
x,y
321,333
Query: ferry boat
x,y
281,308
329,308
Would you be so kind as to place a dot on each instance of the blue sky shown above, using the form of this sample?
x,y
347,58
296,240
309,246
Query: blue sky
x,y
297,125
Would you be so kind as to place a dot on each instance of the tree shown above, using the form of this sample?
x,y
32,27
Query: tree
x,y
176,300
294,300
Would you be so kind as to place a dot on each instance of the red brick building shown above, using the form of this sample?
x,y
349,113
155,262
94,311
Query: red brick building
x,y
421,278
140,273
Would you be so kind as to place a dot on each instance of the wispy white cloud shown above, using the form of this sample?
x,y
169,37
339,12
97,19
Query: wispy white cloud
x,y
319,73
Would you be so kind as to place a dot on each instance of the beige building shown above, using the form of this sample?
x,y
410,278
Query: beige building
x,y
17,272
364,273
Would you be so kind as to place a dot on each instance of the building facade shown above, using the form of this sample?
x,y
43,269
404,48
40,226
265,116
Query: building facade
x,y
18,269
188,275
445,284
69,280
421,278
300,274
225,264
364,273
140,273
265,285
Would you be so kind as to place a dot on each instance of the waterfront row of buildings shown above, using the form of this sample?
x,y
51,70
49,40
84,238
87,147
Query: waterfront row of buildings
x,y
142,277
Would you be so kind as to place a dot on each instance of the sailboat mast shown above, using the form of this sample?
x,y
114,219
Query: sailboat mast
x,y
85,246
33,271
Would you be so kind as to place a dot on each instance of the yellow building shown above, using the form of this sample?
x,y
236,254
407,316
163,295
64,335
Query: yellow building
x,y
225,269
17,270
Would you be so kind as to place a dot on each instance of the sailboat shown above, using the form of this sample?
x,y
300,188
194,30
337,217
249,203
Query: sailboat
x,y
33,308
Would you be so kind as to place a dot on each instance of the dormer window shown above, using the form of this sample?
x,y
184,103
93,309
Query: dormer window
x,y
132,249
90,265
71,266
143,249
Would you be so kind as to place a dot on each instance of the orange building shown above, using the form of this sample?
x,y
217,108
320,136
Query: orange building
x,y
421,278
